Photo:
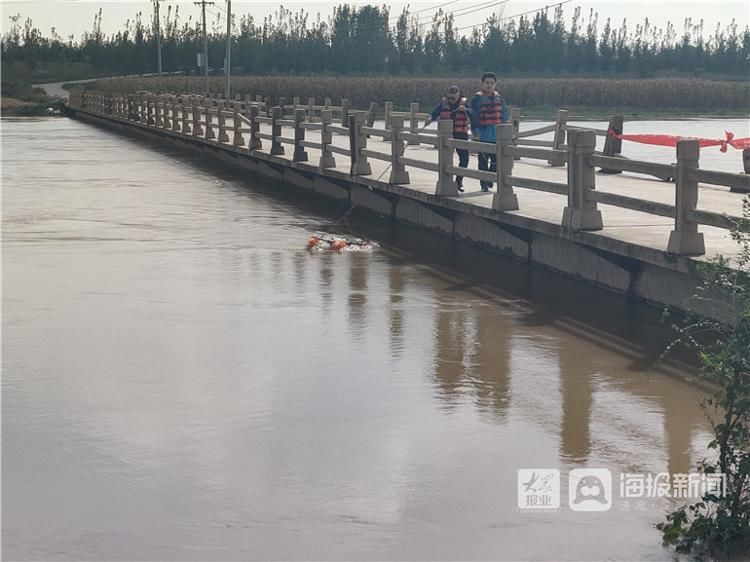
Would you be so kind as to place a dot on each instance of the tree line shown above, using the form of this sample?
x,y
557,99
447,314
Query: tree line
x,y
369,40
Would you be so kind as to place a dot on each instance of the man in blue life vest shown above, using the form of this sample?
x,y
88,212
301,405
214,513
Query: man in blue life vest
x,y
487,111
453,106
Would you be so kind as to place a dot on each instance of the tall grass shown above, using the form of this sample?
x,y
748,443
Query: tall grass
x,y
649,95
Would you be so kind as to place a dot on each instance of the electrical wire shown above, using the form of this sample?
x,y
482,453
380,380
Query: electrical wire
x,y
424,9
516,15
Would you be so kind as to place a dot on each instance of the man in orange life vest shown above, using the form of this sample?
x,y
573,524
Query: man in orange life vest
x,y
453,106
487,110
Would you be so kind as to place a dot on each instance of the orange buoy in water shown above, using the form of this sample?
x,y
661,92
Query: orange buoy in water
x,y
312,242
338,244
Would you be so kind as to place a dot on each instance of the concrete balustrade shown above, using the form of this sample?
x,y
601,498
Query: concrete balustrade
x,y
581,213
210,119
300,155
277,149
446,185
326,138
360,166
685,240
399,175
504,199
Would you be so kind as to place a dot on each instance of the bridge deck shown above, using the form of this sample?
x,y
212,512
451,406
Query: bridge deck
x,y
634,227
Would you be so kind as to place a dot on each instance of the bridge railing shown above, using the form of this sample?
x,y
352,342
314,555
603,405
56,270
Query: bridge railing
x,y
214,120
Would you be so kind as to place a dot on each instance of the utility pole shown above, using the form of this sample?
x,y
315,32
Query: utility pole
x,y
157,23
202,4
228,62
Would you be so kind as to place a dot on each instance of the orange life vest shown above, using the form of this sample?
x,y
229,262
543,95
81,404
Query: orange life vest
x,y
460,121
491,110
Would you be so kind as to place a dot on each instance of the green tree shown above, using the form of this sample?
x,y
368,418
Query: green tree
x,y
719,524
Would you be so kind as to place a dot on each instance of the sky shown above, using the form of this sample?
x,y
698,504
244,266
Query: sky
x,y
76,16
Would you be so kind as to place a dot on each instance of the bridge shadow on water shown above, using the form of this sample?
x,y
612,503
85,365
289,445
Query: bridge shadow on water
x,y
517,303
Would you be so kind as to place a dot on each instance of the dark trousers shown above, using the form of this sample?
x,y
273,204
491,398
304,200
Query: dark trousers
x,y
487,163
463,156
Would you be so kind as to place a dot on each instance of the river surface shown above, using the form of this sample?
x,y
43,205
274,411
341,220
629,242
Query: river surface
x,y
183,381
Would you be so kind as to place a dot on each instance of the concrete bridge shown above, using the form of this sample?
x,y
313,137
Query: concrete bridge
x,y
628,229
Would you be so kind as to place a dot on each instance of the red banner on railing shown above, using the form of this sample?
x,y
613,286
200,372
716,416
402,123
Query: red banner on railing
x,y
671,140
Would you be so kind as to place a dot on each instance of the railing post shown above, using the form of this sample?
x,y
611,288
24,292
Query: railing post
x,y
197,127
388,111
210,135
165,109
281,104
143,109
446,185
277,148
268,106
310,109
158,110
372,113
685,240
255,142
238,139
504,199
296,102
559,139
223,136
358,141
327,103
515,120
613,145
300,155
344,112
399,175
413,123
326,137
150,107
175,121
131,108
186,111
581,213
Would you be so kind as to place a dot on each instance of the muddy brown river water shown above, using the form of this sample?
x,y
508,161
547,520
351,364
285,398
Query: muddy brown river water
x,y
183,381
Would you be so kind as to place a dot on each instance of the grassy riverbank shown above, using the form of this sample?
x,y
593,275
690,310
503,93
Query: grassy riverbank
x,y
653,97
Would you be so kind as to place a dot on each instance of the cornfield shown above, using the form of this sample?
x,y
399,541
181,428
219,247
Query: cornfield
x,y
648,95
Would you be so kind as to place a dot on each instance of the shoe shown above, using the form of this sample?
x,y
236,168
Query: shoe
x,y
460,188
485,188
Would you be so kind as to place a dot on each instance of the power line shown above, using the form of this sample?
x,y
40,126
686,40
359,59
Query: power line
x,y
457,13
517,15
424,9
491,4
